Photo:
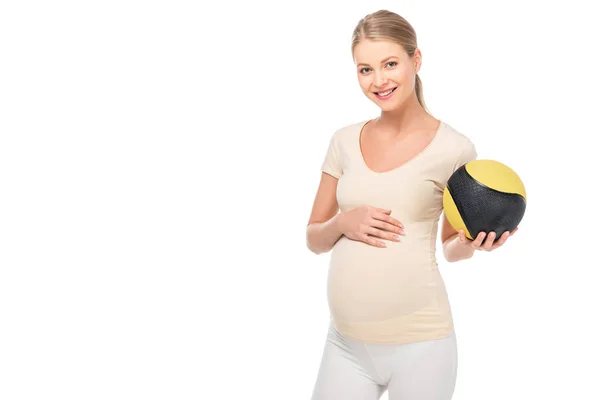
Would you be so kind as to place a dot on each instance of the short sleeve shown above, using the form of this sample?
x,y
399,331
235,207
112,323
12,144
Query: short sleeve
x,y
332,162
466,154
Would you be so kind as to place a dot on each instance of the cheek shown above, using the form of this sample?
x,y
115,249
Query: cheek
x,y
364,82
402,76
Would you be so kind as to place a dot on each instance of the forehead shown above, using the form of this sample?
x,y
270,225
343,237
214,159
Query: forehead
x,y
375,51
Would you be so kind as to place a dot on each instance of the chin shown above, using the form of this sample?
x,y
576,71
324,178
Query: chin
x,y
384,106
388,107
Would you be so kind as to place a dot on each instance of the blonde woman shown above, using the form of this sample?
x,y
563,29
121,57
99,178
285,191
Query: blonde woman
x,y
377,209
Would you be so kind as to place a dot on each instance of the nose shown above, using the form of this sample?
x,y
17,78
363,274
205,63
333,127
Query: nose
x,y
380,79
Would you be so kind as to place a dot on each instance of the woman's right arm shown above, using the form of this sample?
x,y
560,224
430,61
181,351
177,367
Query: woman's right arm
x,y
323,229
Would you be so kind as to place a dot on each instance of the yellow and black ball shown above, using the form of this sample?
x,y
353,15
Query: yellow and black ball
x,y
484,196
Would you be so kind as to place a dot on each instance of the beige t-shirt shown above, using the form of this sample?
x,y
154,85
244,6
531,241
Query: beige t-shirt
x,y
395,294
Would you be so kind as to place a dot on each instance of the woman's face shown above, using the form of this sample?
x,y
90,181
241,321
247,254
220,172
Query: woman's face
x,y
386,73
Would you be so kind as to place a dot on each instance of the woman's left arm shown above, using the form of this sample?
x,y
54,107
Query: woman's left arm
x,y
458,247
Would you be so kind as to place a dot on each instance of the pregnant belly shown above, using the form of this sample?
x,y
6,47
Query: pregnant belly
x,y
368,283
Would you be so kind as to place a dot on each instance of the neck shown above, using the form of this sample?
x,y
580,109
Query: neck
x,y
399,122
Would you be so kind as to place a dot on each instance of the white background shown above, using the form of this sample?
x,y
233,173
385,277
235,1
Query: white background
x,y
158,165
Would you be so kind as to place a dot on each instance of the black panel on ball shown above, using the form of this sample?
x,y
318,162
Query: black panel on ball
x,y
484,209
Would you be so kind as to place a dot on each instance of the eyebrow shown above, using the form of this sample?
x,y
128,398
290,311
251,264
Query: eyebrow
x,y
384,60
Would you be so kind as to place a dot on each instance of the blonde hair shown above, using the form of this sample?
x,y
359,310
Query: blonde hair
x,y
387,25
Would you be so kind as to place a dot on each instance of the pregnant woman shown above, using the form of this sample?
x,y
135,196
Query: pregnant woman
x,y
377,209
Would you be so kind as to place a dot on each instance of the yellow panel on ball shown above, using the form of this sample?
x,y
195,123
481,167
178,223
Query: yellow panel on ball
x,y
497,176
452,213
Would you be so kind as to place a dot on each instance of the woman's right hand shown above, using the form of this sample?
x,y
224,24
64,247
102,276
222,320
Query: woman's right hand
x,y
370,224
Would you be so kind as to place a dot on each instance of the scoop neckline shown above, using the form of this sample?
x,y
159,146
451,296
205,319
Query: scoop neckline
x,y
404,164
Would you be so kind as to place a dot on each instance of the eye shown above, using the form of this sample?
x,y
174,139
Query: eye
x,y
364,70
392,64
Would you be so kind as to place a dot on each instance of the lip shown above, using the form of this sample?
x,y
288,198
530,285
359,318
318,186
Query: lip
x,y
386,96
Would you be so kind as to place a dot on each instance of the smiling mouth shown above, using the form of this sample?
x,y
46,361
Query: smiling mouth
x,y
386,93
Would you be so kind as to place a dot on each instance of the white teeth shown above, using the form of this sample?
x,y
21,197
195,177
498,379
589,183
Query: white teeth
x,y
385,93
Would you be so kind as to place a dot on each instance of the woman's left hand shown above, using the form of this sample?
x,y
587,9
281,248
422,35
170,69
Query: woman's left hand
x,y
488,244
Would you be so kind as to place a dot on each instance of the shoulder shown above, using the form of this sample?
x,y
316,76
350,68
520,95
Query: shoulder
x,y
457,143
456,138
457,146
348,132
341,148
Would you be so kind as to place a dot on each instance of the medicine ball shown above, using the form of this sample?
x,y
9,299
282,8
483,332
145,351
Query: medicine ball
x,y
484,196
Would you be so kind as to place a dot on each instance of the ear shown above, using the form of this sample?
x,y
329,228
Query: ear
x,y
417,58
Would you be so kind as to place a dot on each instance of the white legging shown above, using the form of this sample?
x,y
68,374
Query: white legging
x,y
351,370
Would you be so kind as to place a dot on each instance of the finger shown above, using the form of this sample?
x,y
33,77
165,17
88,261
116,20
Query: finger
x,y
462,237
501,240
388,219
514,231
372,231
372,240
383,234
387,226
478,240
489,241
383,211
